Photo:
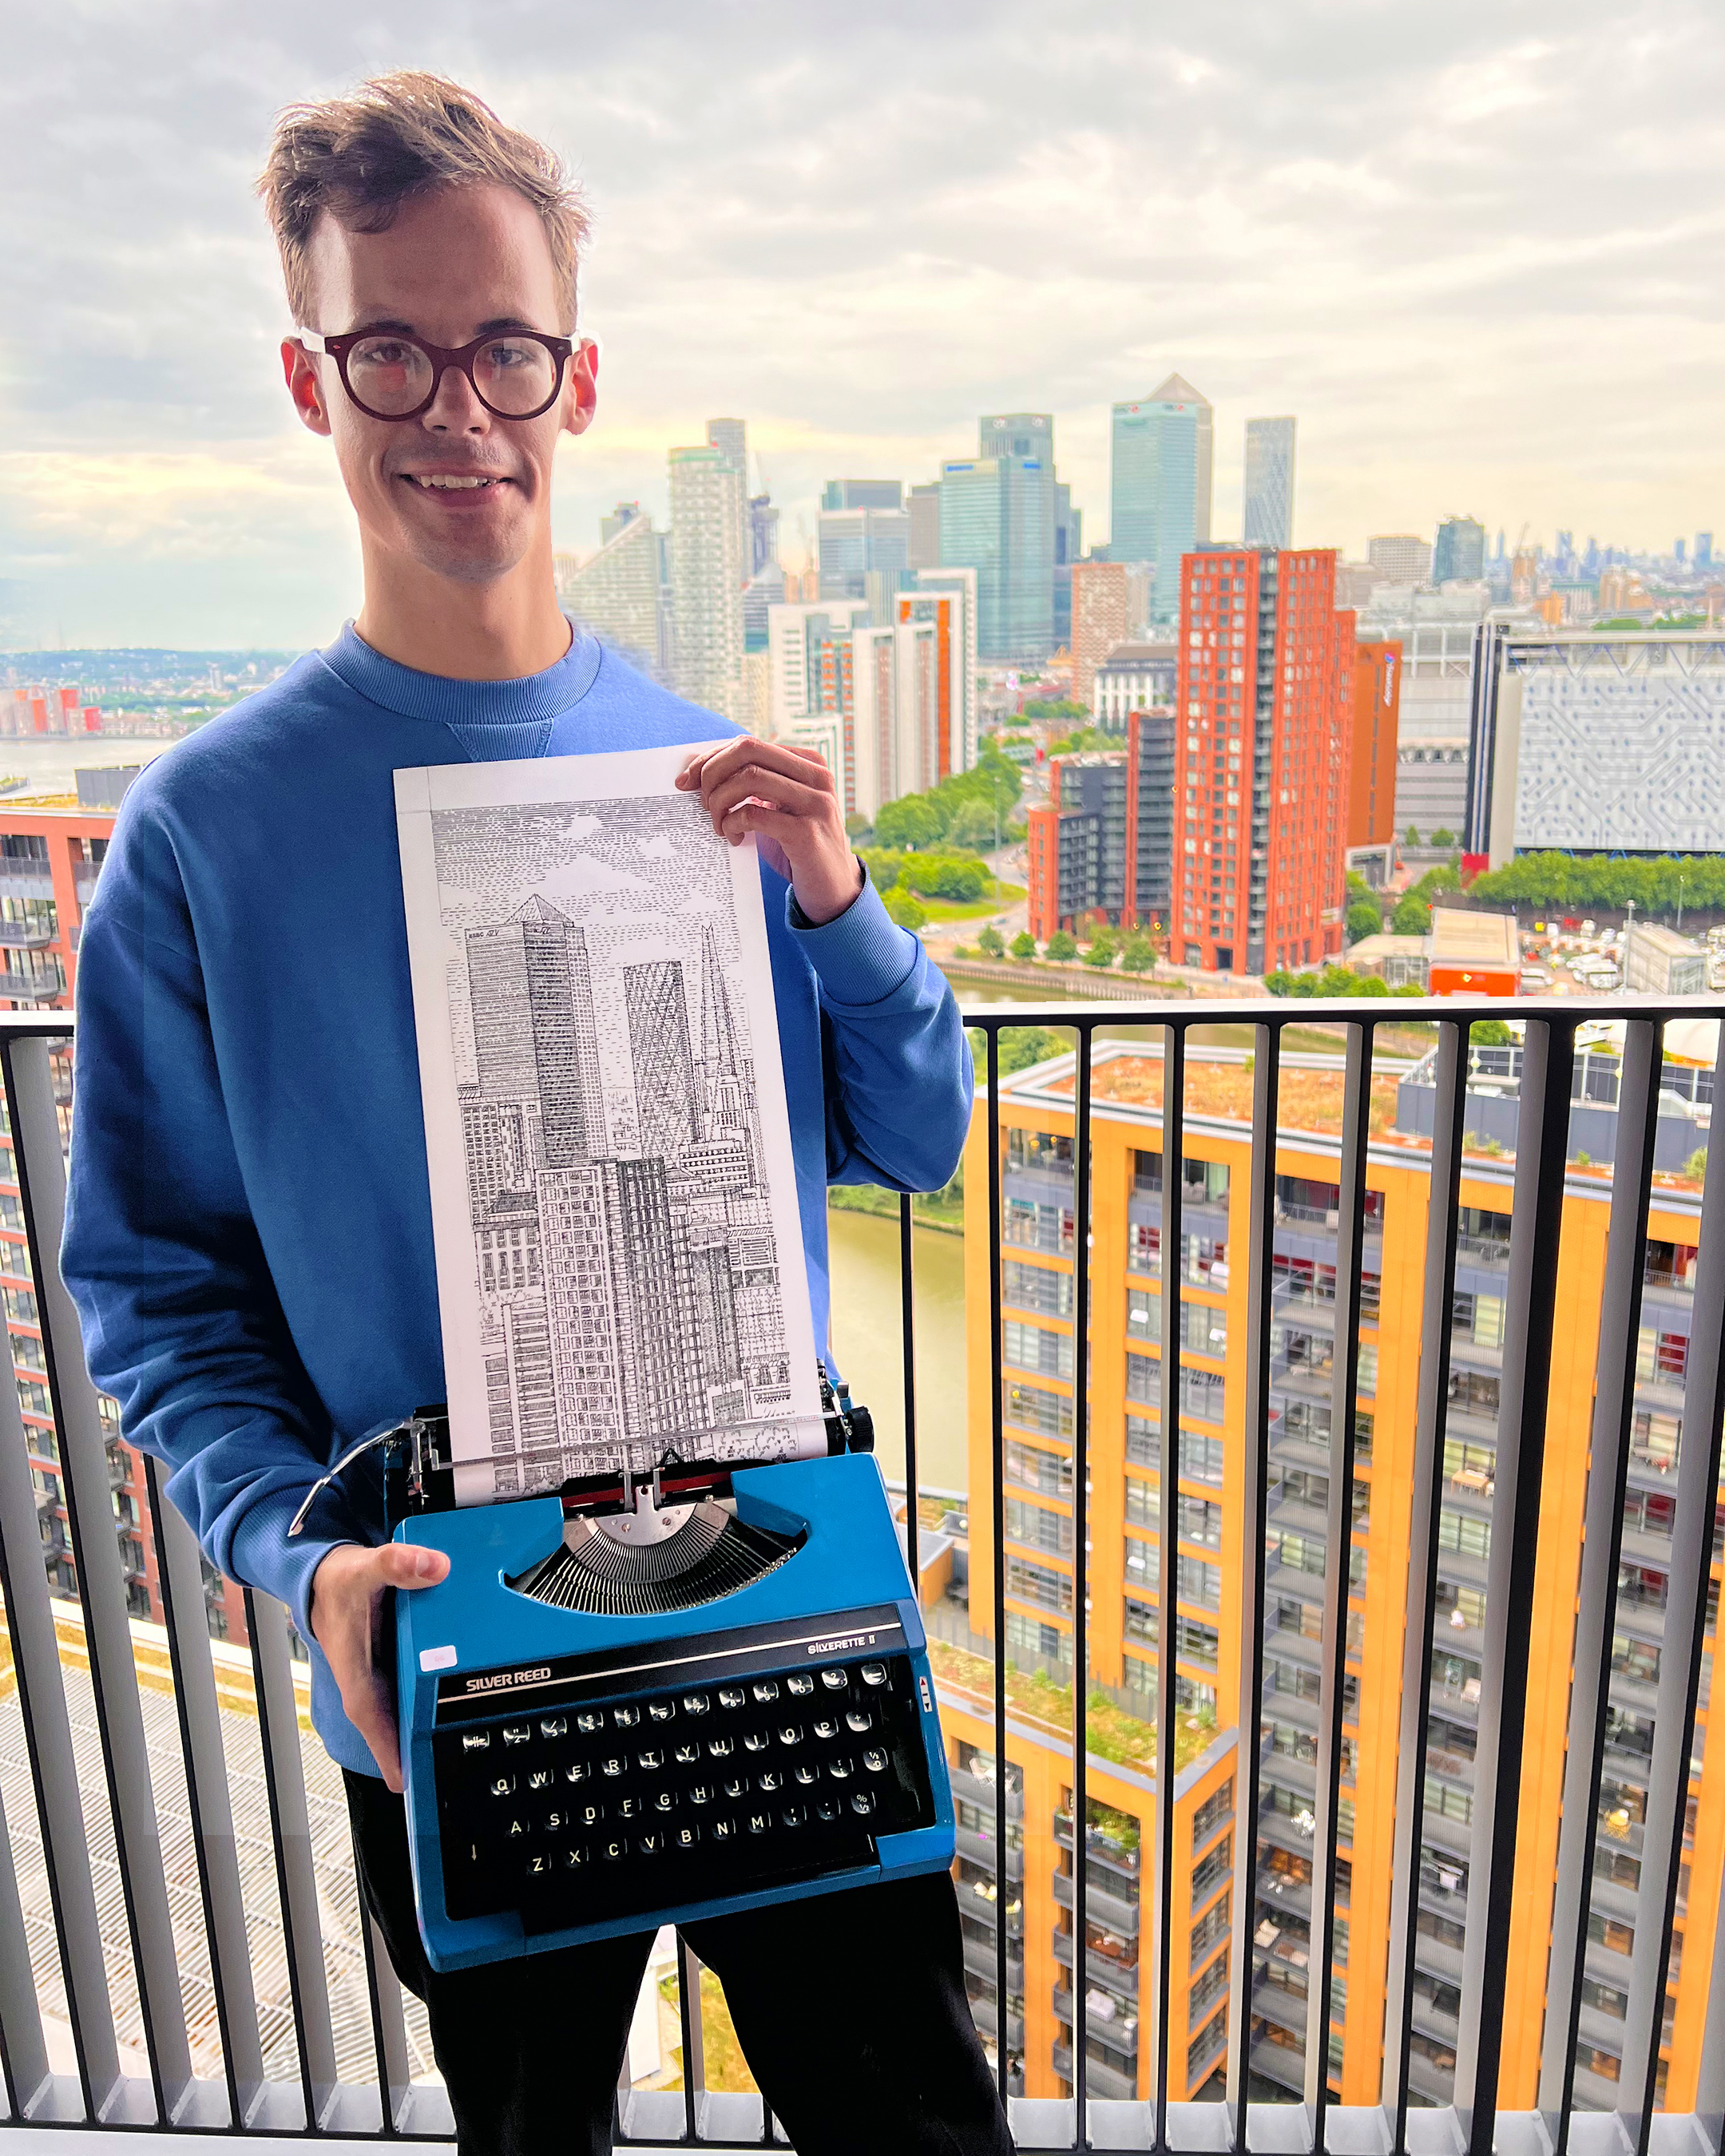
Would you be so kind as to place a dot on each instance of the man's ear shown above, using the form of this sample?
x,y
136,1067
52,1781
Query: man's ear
x,y
300,372
580,390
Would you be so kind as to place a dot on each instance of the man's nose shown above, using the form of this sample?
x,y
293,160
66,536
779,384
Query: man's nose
x,y
456,408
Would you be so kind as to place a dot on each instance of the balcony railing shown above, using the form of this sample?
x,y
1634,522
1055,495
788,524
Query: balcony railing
x,y
181,1948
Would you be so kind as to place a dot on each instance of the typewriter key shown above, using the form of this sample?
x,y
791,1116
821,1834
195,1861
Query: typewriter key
x,y
861,1803
858,1722
541,1779
626,1718
766,1690
802,1685
538,1867
554,1822
476,1740
736,1786
720,1748
650,1845
794,1814
686,1837
517,1733
662,1710
631,1807
590,1815
826,1727
614,1852
575,1858
757,1822
611,1767
649,1760
686,1755
555,1725
790,1734
767,1783
732,1695
577,1771
758,1740
807,1775
503,1786
828,1808
516,1829
839,1769
666,1801
701,1793
873,1673
695,1703
587,1724
724,1829
874,1759
835,1680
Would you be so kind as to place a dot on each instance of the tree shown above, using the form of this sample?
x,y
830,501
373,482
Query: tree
x,y
1102,949
1489,1033
1443,838
1359,891
903,909
1055,707
1364,920
991,943
911,820
1022,945
1411,915
1062,945
1022,1046
973,825
1410,837
1138,953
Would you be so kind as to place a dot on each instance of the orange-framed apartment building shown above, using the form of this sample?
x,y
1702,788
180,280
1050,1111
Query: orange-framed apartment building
x,y
1036,1263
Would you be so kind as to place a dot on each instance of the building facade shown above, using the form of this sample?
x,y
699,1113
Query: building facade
x,y
1101,847
1161,486
1101,605
1269,487
1372,753
708,552
1128,1258
1403,556
997,516
1134,677
1265,701
618,593
1460,554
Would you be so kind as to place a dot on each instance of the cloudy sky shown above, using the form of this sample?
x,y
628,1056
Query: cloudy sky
x,y
1474,247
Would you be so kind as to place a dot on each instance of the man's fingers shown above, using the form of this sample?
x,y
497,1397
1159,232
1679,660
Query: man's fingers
x,y
772,788
368,1710
410,1564
711,766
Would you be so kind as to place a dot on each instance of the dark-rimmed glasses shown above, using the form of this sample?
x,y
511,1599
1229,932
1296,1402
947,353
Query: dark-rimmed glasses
x,y
516,373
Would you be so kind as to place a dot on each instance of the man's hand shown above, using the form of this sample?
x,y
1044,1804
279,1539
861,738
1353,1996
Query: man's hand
x,y
787,796
347,1621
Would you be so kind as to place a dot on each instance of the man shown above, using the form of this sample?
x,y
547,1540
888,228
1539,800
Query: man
x,y
249,1229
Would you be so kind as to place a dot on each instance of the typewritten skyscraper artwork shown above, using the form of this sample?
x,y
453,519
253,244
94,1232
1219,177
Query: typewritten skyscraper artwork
x,y
620,1269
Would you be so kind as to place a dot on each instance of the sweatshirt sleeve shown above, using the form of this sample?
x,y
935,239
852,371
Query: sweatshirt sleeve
x,y
899,1082
180,1320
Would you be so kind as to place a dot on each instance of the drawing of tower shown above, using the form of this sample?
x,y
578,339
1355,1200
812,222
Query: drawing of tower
x,y
650,1299
578,1298
532,997
665,1098
718,1027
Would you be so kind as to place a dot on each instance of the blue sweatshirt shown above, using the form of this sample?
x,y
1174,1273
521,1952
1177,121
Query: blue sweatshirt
x,y
249,1223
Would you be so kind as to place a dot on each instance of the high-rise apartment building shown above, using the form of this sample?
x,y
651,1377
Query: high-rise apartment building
x,y
1269,491
1460,554
1403,556
997,516
1265,698
946,599
1372,763
857,538
1101,605
708,574
1128,1255
618,592
1068,547
731,439
1101,846
1160,486
923,504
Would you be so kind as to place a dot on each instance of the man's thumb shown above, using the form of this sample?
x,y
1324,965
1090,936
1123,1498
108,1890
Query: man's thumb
x,y
410,1564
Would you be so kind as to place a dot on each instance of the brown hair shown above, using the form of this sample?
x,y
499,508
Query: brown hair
x,y
399,136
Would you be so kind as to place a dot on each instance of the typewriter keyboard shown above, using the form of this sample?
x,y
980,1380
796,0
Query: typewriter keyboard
x,y
637,1804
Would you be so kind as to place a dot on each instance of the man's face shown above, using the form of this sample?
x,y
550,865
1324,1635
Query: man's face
x,y
454,265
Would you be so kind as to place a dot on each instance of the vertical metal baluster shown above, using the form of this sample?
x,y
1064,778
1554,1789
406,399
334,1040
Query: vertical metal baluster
x,y
53,1775
179,1567
1431,1417
1174,1155
296,1883
1081,1471
1542,1145
1601,1550
694,2037
1692,1530
1255,1469
907,1323
1338,1529
1002,2017
113,1676
389,2035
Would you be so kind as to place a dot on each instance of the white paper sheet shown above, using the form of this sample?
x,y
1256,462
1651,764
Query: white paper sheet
x,y
619,1256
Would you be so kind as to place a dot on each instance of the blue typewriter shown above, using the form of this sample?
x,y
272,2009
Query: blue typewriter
x,y
651,1703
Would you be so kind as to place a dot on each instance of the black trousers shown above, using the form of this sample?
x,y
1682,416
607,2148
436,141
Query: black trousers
x,y
850,2008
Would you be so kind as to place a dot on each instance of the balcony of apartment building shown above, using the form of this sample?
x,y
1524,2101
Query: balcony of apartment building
x,y
1405,1469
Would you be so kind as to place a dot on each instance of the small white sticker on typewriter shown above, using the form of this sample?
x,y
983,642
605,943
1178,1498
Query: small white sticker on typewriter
x,y
437,1658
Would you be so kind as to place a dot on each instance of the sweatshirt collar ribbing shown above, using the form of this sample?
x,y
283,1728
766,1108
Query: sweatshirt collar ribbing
x,y
461,704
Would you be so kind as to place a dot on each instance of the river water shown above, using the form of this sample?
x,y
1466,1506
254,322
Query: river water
x,y
866,1339
51,766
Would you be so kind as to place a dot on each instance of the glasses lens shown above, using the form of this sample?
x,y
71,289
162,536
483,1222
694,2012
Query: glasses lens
x,y
515,374
387,374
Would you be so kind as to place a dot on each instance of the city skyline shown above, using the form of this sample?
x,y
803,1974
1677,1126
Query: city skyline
x,y
1414,252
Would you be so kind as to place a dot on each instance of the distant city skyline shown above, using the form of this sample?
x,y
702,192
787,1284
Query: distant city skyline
x,y
1416,251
